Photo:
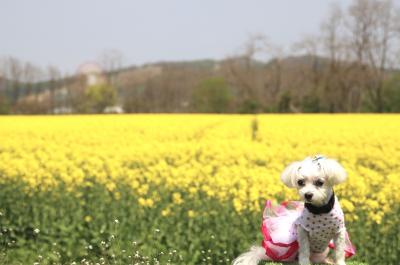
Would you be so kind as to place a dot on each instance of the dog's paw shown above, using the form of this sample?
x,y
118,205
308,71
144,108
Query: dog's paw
x,y
340,262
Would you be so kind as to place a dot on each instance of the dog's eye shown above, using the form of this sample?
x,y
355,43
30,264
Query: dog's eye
x,y
300,182
319,183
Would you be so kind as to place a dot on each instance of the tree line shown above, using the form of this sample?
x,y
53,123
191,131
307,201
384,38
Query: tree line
x,y
351,65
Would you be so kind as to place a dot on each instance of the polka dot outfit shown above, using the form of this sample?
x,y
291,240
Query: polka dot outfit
x,y
322,228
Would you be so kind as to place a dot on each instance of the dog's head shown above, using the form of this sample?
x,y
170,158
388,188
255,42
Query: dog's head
x,y
314,178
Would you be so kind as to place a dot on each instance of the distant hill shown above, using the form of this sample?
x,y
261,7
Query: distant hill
x,y
288,84
204,64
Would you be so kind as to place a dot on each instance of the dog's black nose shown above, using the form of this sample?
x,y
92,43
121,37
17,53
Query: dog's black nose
x,y
308,196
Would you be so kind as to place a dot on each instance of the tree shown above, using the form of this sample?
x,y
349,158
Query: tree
x,y
284,102
54,76
13,70
310,103
374,38
4,105
212,96
248,76
311,72
341,76
98,97
111,61
391,93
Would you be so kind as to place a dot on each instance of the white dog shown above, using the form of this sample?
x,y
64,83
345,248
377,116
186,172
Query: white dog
x,y
321,219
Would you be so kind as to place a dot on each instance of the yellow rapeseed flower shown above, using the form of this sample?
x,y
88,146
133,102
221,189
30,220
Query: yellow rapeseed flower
x,y
177,198
191,213
213,156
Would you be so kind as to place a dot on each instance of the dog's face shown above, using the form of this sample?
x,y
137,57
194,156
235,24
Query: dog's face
x,y
314,178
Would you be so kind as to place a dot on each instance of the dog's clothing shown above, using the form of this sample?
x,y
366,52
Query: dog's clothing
x,y
280,233
322,227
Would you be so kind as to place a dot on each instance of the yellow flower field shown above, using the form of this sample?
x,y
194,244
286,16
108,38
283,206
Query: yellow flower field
x,y
212,153
230,158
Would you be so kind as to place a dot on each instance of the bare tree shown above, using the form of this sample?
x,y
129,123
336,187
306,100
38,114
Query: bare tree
x,y
111,60
274,82
13,70
241,70
244,72
373,31
311,70
341,94
31,75
54,76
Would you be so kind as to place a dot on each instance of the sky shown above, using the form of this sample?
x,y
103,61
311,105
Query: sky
x,y
71,32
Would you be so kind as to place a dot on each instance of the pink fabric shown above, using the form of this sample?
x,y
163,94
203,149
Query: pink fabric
x,y
280,235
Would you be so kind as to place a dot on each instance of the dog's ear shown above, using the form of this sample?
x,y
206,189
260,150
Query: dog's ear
x,y
289,173
333,170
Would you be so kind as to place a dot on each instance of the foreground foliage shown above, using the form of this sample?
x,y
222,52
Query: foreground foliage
x,y
136,188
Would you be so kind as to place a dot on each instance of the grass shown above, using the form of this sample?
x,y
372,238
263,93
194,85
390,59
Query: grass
x,y
347,263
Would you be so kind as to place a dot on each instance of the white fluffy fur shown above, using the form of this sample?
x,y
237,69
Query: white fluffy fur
x,y
339,242
252,257
326,170
309,171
